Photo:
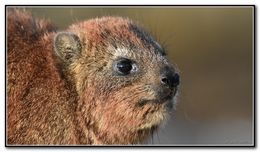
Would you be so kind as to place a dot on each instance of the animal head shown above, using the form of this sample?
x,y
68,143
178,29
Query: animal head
x,y
122,75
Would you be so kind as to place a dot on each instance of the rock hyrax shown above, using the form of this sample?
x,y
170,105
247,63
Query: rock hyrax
x,y
101,81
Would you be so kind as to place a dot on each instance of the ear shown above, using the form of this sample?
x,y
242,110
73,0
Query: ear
x,y
67,46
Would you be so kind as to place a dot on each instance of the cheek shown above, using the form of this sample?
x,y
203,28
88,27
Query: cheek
x,y
120,109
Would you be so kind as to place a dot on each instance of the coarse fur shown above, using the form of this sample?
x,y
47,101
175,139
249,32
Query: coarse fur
x,y
62,89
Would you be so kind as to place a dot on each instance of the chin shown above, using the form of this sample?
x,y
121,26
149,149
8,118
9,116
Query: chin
x,y
158,116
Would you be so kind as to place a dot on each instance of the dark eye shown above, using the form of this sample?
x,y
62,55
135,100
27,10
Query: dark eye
x,y
124,66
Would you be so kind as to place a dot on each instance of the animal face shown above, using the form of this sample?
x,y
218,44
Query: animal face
x,y
121,73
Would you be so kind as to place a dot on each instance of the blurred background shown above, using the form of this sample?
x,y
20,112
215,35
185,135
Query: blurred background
x,y
213,49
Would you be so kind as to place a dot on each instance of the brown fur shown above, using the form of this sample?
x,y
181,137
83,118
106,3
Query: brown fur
x,y
51,101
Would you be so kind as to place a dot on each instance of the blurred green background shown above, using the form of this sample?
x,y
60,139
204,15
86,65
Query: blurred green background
x,y
213,49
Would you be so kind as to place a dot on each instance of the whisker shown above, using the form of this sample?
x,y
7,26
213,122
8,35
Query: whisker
x,y
152,138
158,137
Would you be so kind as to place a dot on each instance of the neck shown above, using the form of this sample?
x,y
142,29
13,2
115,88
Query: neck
x,y
89,133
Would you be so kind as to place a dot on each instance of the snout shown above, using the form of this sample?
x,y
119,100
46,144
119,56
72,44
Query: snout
x,y
165,90
169,83
170,79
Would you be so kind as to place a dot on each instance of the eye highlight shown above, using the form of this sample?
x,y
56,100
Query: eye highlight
x,y
124,67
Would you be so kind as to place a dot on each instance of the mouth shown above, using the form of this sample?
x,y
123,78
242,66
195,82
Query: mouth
x,y
165,99
156,111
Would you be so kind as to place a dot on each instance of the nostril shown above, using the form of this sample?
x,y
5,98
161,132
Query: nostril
x,y
165,81
169,77
171,80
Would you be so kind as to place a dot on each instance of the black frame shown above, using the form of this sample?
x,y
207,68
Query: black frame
x,y
137,146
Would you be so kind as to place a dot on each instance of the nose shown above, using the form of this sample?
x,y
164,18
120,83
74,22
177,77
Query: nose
x,y
169,78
